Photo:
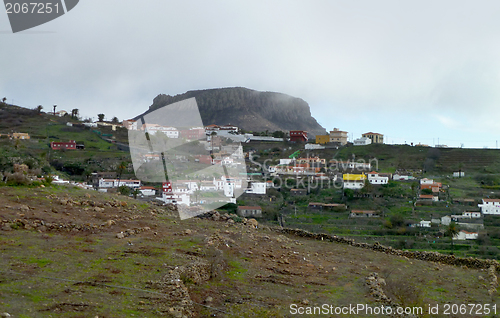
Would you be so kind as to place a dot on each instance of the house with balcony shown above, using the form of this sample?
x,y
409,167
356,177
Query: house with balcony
x,y
376,178
338,136
298,136
490,206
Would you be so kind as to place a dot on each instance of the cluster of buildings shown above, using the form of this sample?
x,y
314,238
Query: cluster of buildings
x,y
340,138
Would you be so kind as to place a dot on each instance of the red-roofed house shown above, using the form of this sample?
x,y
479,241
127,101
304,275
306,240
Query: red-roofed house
x,y
298,136
147,191
71,145
375,178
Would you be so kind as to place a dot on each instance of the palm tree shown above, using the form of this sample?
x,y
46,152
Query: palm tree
x,y
39,109
4,99
122,166
74,113
55,109
135,193
101,117
451,231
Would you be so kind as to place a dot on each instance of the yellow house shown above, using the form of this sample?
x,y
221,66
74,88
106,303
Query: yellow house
x,y
353,177
322,139
375,137
20,136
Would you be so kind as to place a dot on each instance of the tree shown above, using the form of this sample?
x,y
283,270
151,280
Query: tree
x,y
39,109
4,99
74,113
135,193
367,188
55,106
101,117
124,190
121,167
115,120
451,231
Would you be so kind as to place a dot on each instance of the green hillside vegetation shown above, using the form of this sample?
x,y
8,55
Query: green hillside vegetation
x,y
99,154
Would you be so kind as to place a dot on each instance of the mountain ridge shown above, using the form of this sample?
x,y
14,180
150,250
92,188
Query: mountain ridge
x,y
248,109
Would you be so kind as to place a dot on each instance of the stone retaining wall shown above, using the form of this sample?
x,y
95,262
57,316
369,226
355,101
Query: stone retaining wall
x,y
469,262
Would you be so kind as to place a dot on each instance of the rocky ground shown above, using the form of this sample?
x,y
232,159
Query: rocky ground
x,y
67,252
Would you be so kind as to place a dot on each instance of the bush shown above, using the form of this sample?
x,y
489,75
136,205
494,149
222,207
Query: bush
x,y
124,190
404,291
17,178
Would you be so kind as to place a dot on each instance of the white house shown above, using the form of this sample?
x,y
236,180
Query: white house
x,y
152,129
426,181
490,206
472,215
285,161
375,178
446,220
424,224
257,188
113,183
458,174
402,177
106,183
313,147
354,184
358,165
363,141
147,191
176,198
465,235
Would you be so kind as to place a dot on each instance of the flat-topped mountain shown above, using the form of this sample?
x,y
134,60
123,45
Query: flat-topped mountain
x,y
248,109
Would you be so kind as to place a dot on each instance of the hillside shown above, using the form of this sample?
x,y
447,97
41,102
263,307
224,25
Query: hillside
x,y
76,253
101,152
248,109
430,160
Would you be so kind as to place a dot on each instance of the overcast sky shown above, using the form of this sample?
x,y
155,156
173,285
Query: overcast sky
x,y
414,71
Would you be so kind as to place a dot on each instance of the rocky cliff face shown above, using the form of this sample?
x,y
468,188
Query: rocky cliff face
x,y
248,109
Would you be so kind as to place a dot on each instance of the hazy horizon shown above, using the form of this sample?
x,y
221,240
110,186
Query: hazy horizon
x,y
413,71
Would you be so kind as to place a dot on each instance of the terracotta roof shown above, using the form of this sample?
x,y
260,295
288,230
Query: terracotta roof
x,y
467,232
426,196
491,200
372,133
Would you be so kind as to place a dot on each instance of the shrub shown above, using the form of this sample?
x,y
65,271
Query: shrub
x,y
124,190
17,178
404,291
